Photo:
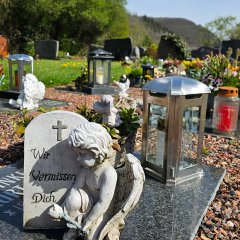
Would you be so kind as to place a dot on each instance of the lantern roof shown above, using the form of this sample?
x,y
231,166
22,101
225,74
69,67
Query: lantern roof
x,y
147,66
176,85
22,57
100,53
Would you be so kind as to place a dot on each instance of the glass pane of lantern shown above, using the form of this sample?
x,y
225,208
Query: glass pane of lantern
x,y
157,135
191,121
90,72
106,66
99,72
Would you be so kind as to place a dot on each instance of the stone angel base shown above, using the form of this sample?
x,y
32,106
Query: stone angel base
x,y
102,195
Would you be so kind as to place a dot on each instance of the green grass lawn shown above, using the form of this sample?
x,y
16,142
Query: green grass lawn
x,y
58,72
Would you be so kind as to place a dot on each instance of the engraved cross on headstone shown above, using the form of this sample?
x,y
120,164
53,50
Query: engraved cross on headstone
x,y
59,128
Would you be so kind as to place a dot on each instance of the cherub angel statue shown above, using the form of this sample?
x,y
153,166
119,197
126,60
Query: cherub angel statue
x,y
32,92
110,114
101,196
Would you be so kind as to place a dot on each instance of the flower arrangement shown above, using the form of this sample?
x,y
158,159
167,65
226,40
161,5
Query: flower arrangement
x,y
173,66
221,70
193,68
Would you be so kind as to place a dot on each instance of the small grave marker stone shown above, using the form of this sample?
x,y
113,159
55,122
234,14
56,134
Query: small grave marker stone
x,y
50,166
47,48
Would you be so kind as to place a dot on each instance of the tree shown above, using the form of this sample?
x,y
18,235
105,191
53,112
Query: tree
x,y
236,32
77,22
222,27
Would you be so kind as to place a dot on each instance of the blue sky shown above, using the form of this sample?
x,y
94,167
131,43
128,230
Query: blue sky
x,y
198,11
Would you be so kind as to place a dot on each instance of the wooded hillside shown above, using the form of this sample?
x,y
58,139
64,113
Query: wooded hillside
x,y
144,28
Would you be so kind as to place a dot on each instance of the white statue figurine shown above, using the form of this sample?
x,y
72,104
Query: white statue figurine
x,y
32,92
123,85
101,196
110,114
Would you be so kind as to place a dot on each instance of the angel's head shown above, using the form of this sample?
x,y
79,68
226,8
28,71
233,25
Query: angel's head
x,y
92,142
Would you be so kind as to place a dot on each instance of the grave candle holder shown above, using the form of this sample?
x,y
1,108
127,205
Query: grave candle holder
x,y
148,70
99,72
225,112
174,110
20,60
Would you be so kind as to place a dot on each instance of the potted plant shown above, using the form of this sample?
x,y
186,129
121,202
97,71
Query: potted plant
x,y
135,76
123,135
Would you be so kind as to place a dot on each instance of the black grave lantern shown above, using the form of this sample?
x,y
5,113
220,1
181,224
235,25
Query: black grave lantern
x,y
99,72
174,110
147,70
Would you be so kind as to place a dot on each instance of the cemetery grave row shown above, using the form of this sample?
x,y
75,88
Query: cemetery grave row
x,y
47,176
221,142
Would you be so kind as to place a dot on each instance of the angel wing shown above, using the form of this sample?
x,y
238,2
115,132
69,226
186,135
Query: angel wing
x,y
127,194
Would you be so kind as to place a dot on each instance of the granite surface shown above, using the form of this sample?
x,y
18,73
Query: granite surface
x,y
163,212
45,103
168,212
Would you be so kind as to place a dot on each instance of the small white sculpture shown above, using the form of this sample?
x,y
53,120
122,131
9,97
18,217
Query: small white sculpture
x,y
101,196
123,85
32,92
110,114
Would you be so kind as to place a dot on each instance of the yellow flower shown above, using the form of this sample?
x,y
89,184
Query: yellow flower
x,y
148,77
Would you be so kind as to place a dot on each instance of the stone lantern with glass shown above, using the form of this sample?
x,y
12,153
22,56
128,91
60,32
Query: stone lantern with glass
x,y
99,72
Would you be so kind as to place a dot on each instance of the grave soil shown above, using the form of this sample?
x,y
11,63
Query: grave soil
x,y
222,220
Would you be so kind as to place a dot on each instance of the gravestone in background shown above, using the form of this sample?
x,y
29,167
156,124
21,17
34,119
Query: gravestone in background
x,y
142,51
120,48
136,52
50,166
234,44
3,46
47,49
170,48
203,51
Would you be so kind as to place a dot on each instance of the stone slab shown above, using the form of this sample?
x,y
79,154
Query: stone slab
x,y
172,213
11,205
163,212
45,103
9,94
99,90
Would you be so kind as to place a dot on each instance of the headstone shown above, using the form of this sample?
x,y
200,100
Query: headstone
x,y
169,48
136,52
203,51
3,46
11,193
47,49
142,51
50,166
234,44
120,48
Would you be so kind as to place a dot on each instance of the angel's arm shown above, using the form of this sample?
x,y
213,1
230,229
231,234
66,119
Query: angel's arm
x,y
107,189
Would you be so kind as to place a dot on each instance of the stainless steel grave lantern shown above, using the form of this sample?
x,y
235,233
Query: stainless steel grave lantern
x,y
20,60
99,72
174,110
